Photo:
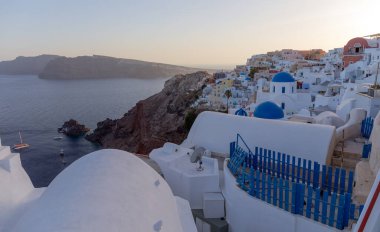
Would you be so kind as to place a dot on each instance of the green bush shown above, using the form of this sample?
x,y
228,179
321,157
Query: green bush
x,y
189,119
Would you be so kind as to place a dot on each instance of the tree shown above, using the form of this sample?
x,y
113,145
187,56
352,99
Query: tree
x,y
190,118
252,73
228,94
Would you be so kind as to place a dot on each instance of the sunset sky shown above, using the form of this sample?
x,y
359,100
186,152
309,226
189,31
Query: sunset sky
x,y
207,33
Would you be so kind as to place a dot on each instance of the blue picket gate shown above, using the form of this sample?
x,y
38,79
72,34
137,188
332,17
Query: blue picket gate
x,y
296,185
292,168
367,125
335,210
366,150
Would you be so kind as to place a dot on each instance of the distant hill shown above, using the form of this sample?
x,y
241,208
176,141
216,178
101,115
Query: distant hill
x,y
101,67
26,65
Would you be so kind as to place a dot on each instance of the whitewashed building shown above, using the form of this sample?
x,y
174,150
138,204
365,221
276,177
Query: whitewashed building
x,y
283,91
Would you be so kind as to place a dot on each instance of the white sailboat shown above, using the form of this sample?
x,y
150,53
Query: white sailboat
x,y
21,145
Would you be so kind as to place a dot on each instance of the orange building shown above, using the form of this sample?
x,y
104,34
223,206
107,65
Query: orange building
x,y
354,50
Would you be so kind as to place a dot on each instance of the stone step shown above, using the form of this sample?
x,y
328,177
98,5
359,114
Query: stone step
x,y
348,163
349,155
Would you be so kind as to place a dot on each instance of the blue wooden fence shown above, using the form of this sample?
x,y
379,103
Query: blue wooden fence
x,y
366,150
296,185
332,179
367,125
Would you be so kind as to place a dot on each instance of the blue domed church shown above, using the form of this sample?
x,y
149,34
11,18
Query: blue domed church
x,y
283,92
268,110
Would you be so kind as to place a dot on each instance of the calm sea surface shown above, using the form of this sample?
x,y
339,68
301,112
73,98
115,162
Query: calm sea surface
x,y
38,107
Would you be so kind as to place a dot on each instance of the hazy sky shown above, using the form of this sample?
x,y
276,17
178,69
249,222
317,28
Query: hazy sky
x,y
185,32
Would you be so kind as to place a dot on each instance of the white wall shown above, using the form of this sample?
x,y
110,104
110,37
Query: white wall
x,y
374,159
16,189
246,213
279,85
352,128
373,222
344,108
215,131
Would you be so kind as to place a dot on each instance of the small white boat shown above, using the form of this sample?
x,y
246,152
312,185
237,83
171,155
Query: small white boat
x,y
21,145
58,138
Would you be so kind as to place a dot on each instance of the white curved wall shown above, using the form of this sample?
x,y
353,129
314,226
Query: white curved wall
x,y
352,128
107,190
215,131
344,108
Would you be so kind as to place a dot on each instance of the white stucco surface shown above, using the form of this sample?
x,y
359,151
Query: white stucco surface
x,y
107,190
183,177
165,155
16,189
352,128
374,159
185,215
215,131
373,222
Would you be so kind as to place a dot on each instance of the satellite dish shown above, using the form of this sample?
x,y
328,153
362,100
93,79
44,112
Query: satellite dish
x,y
197,157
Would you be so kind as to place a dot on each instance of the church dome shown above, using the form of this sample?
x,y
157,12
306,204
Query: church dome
x,y
283,77
268,110
107,190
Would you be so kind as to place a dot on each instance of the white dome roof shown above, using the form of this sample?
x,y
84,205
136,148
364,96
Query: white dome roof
x,y
107,190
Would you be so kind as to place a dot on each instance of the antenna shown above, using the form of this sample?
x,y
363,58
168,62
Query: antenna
x,y
197,157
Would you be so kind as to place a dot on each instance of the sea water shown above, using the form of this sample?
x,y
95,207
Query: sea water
x,y
37,107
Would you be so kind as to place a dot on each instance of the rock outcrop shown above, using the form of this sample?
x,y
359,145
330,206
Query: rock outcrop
x,y
155,120
73,129
103,67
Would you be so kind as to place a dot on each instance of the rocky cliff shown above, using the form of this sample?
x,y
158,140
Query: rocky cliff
x,y
101,67
26,65
155,120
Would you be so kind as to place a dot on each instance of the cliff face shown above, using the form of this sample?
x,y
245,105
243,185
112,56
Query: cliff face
x,y
96,67
155,120
26,65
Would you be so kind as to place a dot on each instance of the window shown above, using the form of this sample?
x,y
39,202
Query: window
x,y
274,88
292,89
282,105
283,89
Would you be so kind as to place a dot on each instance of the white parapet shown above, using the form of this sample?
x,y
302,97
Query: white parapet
x,y
214,131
